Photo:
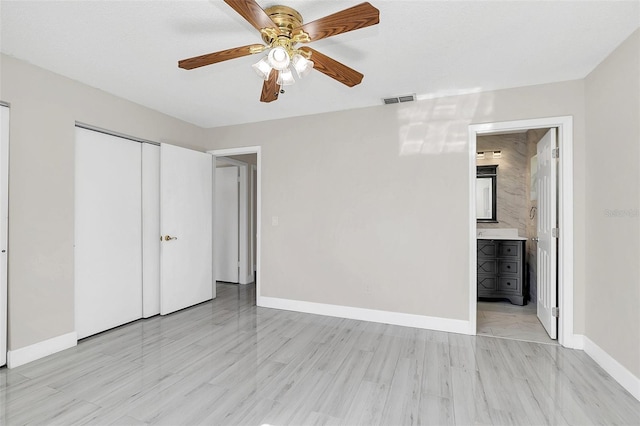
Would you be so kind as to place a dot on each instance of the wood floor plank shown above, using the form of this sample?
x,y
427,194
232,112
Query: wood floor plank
x,y
367,404
435,410
403,402
228,362
436,375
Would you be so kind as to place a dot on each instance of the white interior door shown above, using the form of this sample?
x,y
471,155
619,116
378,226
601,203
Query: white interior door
x,y
186,216
4,215
226,224
547,243
108,229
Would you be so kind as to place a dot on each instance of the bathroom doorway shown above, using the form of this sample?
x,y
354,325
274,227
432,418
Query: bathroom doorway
x,y
491,314
507,236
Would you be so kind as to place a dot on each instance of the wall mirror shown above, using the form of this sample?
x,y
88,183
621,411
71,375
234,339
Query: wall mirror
x,y
486,195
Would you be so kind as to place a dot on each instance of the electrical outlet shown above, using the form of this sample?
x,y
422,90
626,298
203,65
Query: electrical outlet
x,y
274,221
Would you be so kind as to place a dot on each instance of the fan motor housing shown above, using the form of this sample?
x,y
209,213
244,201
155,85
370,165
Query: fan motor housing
x,y
286,18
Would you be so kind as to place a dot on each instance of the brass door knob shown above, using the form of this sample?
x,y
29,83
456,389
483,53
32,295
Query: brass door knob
x,y
168,238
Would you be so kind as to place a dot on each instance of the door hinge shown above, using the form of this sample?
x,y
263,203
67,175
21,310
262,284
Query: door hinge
x,y
238,264
555,312
555,232
555,153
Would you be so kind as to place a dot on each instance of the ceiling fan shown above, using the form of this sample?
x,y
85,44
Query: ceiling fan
x,y
282,29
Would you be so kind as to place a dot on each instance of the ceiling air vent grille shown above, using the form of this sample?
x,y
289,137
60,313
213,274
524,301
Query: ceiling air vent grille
x,y
399,99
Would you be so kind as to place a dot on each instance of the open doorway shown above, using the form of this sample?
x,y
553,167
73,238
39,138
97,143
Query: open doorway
x,y
504,240
245,162
229,221
507,248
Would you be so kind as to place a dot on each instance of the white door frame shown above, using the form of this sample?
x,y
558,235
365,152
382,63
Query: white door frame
x,y
244,275
4,222
252,221
564,124
241,151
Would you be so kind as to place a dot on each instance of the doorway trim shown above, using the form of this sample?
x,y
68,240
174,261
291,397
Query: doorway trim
x,y
250,150
564,124
5,117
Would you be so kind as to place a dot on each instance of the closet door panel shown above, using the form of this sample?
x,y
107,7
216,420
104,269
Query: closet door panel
x,y
186,221
150,230
108,232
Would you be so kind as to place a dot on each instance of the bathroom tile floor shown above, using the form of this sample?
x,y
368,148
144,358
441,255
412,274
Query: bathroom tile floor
x,y
502,319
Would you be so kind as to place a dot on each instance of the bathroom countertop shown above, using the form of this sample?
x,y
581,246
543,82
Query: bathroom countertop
x,y
500,237
499,234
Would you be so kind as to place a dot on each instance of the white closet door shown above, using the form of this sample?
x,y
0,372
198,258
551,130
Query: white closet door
x,y
108,230
150,230
4,212
226,224
186,216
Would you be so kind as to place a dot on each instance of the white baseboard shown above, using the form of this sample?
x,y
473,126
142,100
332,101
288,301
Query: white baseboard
x,y
372,315
574,341
41,349
618,371
246,280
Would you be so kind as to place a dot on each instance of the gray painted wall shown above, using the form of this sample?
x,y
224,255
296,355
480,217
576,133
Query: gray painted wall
x,y
373,203
612,207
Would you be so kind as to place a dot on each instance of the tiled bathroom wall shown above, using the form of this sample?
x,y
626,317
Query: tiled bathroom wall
x,y
512,186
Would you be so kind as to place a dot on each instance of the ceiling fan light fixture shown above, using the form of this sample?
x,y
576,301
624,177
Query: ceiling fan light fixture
x,y
282,28
302,65
279,58
262,68
285,77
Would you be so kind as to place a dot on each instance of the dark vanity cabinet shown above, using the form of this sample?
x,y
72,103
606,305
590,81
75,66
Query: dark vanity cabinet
x,y
501,270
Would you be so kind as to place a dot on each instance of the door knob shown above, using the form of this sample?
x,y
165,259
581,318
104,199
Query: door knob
x,y
168,238
536,239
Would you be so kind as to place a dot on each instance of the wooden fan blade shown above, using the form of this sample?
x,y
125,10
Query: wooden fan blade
x,y
223,55
270,88
253,13
333,68
353,18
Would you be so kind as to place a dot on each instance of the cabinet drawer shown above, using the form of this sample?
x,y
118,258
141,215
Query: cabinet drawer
x,y
509,250
509,285
506,267
487,284
487,266
486,249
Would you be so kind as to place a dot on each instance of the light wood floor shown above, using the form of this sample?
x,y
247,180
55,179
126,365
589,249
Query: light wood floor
x,y
228,362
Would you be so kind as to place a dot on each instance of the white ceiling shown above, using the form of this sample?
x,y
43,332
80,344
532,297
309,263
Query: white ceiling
x,y
431,48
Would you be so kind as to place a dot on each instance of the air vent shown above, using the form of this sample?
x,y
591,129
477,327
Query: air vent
x,y
399,99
